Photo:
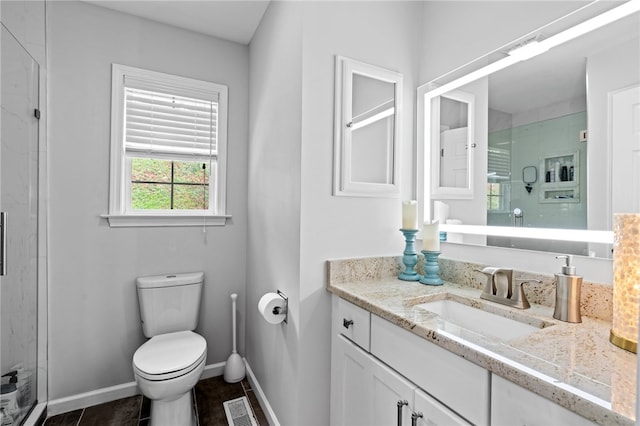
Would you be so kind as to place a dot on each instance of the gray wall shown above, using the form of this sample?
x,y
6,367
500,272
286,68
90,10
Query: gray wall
x,y
295,223
94,325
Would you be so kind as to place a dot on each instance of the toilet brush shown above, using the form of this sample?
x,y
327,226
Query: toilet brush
x,y
234,368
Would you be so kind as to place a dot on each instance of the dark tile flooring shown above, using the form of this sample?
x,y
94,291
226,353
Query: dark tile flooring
x,y
134,411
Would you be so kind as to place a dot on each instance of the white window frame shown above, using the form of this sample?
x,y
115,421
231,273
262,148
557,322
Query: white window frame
x,y
119,192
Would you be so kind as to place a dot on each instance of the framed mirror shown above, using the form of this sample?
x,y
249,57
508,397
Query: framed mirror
x,y
535,105
452,129
368,104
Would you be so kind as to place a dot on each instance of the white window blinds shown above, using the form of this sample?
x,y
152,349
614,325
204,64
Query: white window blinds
x,y
163,123
499,164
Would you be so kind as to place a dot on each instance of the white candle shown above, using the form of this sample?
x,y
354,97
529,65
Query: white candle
x,y
431,237
410,214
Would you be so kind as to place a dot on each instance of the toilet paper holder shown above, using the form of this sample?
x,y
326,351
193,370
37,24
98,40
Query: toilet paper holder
x,y
282,310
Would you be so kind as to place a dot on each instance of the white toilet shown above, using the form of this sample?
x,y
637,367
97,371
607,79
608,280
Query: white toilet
x,y
170,363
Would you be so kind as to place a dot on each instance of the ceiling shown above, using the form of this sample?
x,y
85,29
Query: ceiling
x,y
234,20
559,74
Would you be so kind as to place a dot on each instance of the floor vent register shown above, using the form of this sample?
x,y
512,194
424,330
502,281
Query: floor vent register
x,y
239,412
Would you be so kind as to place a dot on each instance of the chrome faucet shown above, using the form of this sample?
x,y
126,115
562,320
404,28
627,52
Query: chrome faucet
x,y
499,288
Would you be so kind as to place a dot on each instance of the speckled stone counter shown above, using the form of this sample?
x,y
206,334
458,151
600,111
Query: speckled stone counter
x,y
573,365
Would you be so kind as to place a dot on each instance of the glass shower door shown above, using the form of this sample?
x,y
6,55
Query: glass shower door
x,y
19,206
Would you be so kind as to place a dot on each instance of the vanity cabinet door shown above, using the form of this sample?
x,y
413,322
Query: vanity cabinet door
x,y
351,392
364,391
389,388
434,413
513,405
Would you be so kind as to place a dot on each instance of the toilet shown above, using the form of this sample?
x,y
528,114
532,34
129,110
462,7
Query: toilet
x,y
168,365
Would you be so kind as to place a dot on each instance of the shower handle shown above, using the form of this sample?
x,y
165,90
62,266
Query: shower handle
x,y
3,243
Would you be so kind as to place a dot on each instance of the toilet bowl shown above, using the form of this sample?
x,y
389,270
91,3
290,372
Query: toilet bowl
x,y
168,365
166,368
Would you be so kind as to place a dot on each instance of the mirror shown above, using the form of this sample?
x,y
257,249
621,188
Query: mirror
x,y
536,108
452,130
368,107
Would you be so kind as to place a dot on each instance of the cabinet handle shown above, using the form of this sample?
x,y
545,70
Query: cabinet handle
x,y
415,417
346,323
401,404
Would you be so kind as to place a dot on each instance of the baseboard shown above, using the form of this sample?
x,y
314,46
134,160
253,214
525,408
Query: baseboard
x,y
262,399
125,390
99,396
87,399
213,370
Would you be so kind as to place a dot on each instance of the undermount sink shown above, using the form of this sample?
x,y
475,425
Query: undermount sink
x,y
454,314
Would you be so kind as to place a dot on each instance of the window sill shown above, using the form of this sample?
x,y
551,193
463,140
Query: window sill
x,y
151,220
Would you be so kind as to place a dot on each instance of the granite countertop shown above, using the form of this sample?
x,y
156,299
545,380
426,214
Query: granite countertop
x,y
573,365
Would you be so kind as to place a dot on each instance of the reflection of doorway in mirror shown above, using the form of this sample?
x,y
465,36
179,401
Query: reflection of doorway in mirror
x,y
625,133
453,157
454,138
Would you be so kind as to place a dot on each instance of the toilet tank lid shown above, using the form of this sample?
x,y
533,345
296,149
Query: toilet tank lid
x,y
170,280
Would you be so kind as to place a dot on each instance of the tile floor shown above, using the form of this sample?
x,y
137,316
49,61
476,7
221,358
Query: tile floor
x,y
134,411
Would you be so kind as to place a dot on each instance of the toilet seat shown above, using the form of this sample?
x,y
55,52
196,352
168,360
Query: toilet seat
x,y
171,355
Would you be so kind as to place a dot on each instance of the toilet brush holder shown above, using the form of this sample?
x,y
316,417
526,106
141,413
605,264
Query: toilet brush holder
x,y
234,368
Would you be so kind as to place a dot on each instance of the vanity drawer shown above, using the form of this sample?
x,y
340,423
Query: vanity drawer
x,y
353,322
459,384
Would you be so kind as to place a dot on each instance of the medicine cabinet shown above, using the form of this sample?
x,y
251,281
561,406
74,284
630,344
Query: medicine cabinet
x,y
560,178
368,107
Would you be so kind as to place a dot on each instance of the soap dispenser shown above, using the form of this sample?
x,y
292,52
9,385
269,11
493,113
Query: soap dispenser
x,y
568,286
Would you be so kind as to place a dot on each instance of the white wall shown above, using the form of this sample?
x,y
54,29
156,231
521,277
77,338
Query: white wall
x,y
273,248
25,20
295,222
94,325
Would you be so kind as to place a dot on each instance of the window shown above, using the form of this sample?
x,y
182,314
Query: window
x,y
498,179
168,150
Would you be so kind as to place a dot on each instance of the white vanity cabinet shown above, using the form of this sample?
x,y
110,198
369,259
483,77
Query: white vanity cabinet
x,y
513,405
452,380
376,363
366,391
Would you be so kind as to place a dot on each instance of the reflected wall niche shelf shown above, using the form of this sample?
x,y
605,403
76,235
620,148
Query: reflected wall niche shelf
x,y
560,178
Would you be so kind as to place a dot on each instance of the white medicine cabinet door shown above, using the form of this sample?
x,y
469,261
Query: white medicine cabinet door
x,y
450,131
368,117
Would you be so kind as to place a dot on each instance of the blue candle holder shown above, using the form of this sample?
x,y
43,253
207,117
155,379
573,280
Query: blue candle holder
x,y
431,269
410,256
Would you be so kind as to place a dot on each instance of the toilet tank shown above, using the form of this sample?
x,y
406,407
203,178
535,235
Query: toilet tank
x,y
169,303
